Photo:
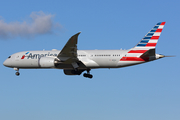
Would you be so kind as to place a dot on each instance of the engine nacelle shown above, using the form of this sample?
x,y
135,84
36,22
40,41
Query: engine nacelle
x,y
46,62
72,72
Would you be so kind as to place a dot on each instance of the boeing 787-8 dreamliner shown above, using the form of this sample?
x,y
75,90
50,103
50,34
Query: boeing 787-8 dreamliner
x,y
74,61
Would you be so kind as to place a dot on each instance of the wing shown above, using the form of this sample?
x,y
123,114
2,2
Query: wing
x,y
69,52
70,49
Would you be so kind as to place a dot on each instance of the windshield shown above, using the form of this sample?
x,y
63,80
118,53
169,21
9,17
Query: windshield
x,y
9,57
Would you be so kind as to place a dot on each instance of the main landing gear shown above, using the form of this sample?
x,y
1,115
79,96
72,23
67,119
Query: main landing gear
x,y
88,75
17,73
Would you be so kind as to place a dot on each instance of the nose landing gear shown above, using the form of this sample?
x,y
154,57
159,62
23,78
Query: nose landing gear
x,y
17,73
88,75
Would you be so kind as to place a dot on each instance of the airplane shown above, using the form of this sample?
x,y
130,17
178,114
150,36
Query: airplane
x,y
75,62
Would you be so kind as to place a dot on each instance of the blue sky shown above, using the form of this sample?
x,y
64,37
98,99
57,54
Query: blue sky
x,y
143,92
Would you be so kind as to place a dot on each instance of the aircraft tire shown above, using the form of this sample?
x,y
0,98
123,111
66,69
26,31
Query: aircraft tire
x,y
90,76
17,73
87,75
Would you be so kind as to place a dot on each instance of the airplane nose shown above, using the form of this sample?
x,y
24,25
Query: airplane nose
x,y
7,63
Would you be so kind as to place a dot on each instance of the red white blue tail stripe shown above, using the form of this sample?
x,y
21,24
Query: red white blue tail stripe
x,y
148,42
151,38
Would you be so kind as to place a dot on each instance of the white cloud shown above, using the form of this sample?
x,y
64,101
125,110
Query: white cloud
x,y
40,23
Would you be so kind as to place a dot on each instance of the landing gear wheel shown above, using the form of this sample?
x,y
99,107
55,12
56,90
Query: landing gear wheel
x,y
17,73
88,75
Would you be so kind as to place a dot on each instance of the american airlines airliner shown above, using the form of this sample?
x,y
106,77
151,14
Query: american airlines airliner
x,y
74,61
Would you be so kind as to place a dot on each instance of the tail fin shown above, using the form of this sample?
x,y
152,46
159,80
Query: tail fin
x,y
146,47
151,38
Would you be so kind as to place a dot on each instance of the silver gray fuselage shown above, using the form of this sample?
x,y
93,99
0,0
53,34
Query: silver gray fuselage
x,y
90,58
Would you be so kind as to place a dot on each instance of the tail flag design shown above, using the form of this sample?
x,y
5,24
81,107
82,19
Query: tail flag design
x,y
151,38
147,45
24,55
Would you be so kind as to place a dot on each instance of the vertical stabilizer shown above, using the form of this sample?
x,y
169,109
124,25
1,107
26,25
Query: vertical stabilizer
x,y
146,47
150,40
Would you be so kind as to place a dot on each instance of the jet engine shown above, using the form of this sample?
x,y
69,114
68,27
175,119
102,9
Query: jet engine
x,y
73,72
46,62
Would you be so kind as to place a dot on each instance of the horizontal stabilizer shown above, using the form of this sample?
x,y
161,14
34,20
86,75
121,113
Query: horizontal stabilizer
x,y
148,53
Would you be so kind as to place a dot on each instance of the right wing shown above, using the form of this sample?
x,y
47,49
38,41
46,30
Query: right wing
x,y
69,53
70,49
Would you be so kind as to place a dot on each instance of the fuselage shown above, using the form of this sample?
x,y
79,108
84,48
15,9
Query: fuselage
x,y
90,58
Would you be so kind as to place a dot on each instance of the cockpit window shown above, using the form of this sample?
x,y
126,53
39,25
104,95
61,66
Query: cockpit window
x,y
9,57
